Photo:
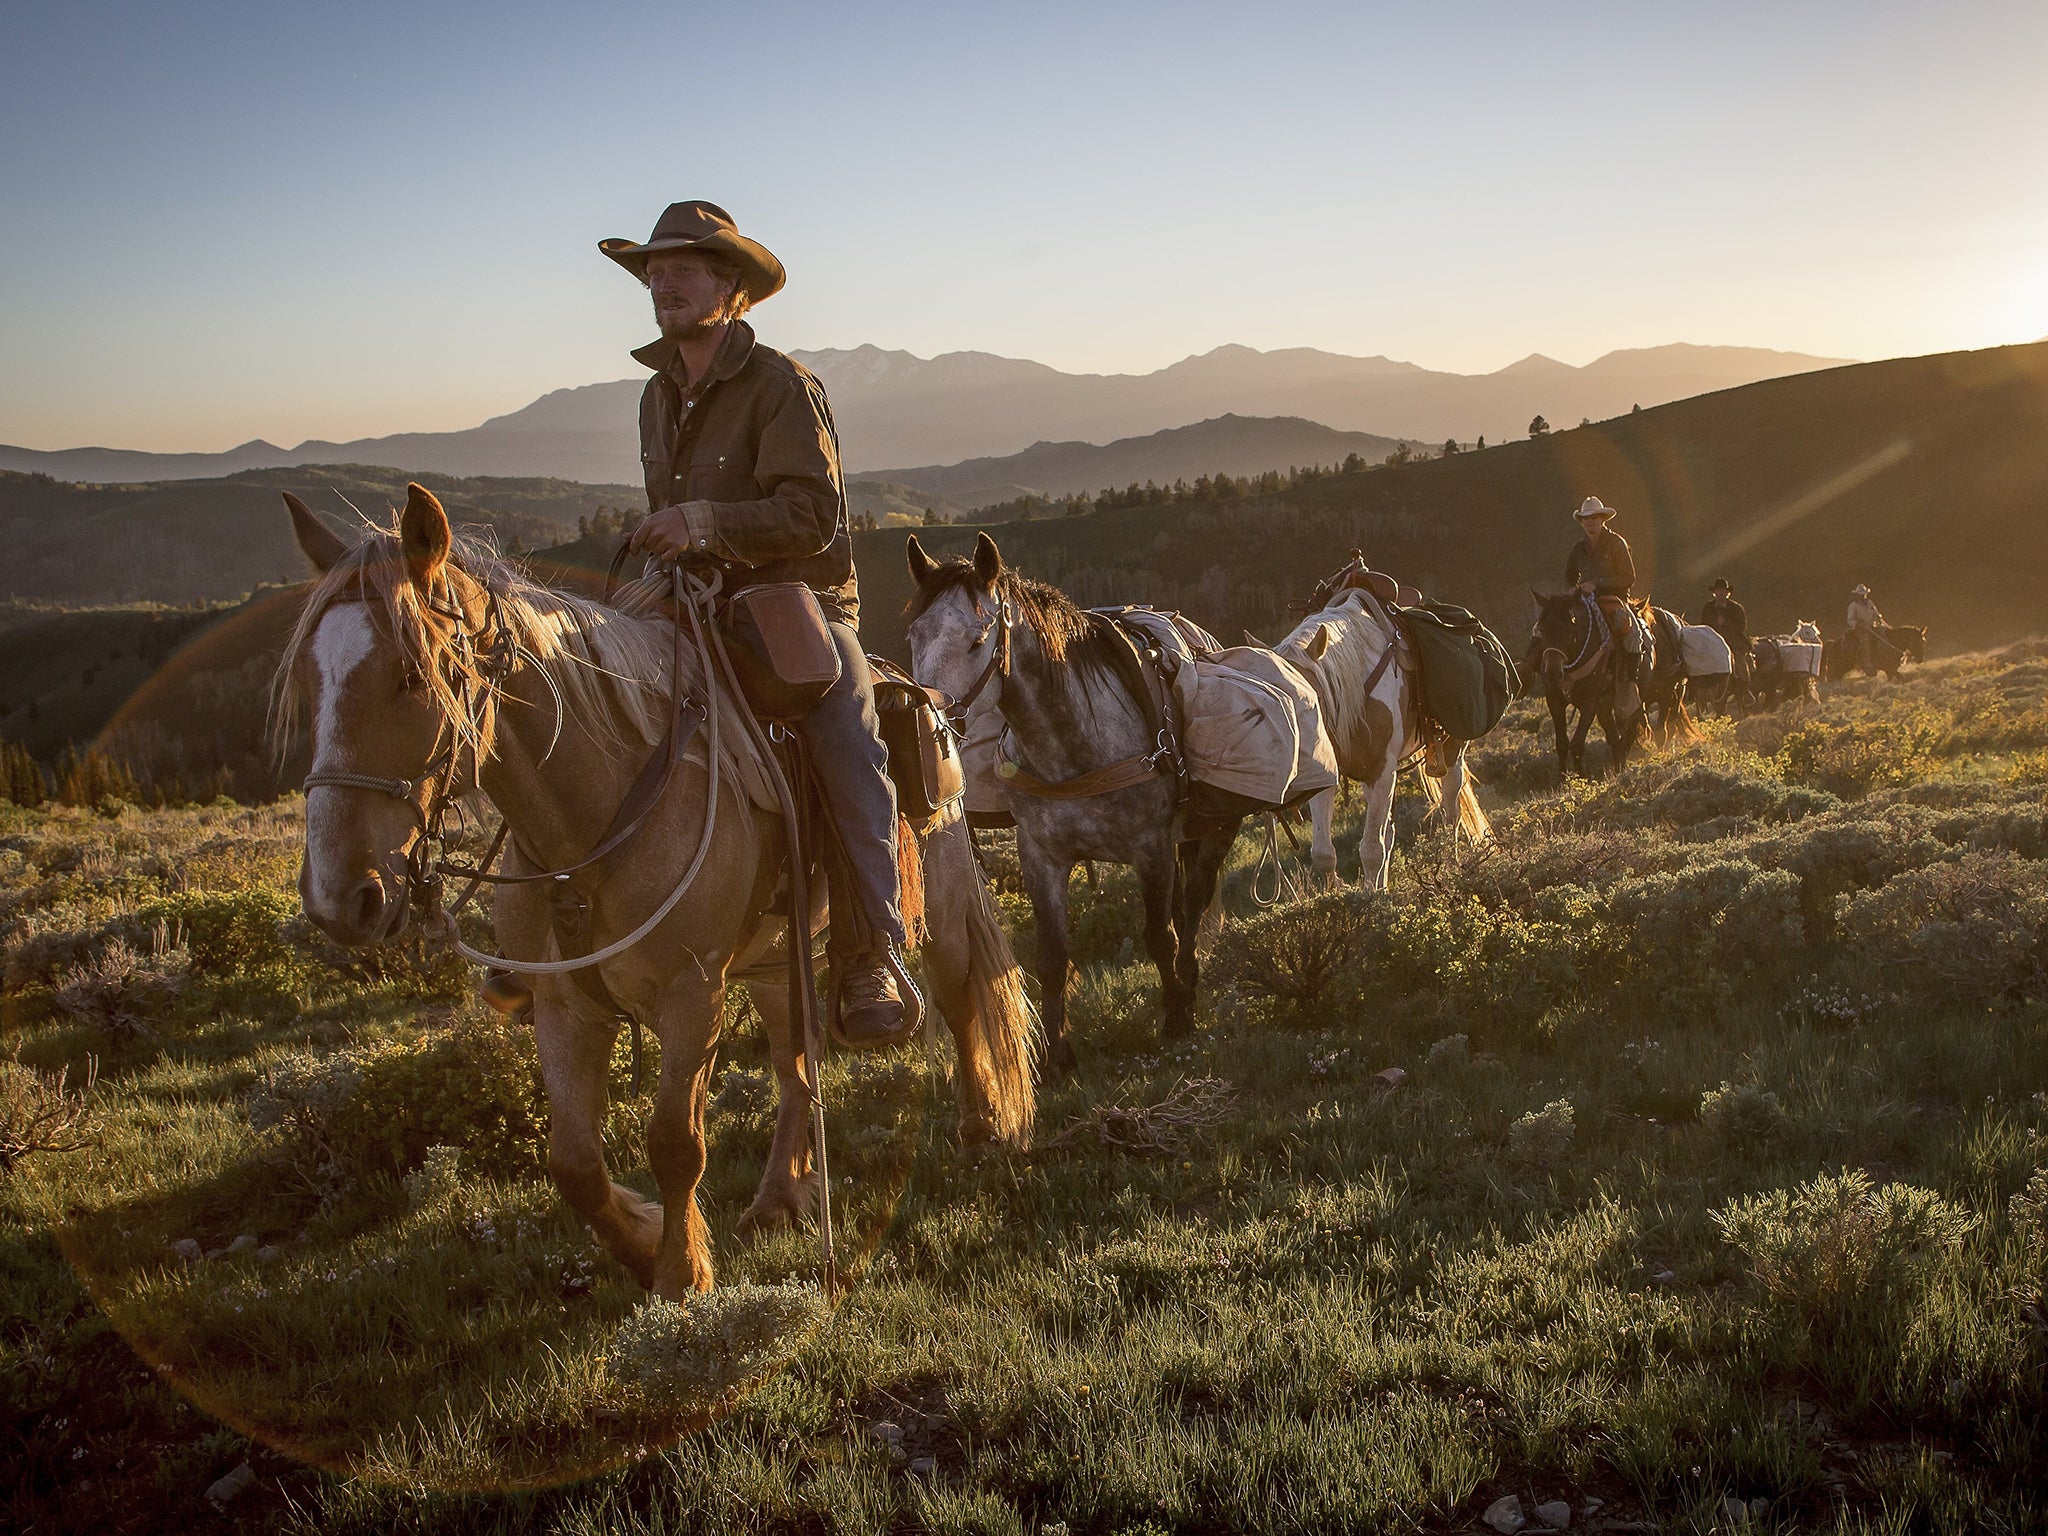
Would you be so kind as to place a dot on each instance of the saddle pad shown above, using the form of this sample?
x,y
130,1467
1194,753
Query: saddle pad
x,y
1171,634
1253,726
1797,655
1703,652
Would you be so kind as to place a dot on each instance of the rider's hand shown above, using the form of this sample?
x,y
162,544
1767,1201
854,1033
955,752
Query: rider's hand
x,y
673,531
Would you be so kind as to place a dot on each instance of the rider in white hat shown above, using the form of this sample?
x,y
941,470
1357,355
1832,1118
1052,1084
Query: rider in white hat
x,y
1601,567
1864,620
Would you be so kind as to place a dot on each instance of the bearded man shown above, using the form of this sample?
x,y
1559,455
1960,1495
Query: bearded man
x,y
741,463
1601,567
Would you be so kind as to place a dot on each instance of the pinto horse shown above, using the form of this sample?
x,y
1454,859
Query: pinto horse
x,y
429,669
1372,710
1087,774
1572,645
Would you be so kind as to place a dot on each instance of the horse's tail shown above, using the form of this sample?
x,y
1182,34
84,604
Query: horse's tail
x,y
910,881
1471,818
1680,729
1002,1026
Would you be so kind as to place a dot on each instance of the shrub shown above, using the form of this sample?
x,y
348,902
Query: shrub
x,y
1858,756
378,1109
40,1112
229,933
1292,955
696,1351
1839,857
1974,930
1840,1242
1448,1054
120,990
2028,1211
1742,1116
1541,1137
1724,915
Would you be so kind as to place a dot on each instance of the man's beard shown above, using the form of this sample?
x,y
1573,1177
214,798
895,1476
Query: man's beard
x,y
678,326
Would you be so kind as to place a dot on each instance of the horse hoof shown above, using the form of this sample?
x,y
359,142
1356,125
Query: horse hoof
x,y
769,1215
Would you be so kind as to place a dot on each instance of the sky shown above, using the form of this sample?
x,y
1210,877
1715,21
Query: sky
x,y
220,222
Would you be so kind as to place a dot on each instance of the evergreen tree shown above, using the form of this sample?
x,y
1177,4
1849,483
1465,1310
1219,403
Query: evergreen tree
x,y
1539,428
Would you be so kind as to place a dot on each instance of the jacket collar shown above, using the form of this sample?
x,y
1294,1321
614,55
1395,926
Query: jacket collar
x,y
732,356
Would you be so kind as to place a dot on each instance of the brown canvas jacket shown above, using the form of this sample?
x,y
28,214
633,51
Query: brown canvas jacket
x,y
1607,564
752,449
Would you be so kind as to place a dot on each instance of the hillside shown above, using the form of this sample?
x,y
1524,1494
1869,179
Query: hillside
x,y
1230,444
207,540
896,408
1925,477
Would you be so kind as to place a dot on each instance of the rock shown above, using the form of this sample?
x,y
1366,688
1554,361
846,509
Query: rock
x,y
1759,1508
1556,1515
1734,1510
924,1466
1393,1077
1505,1515
246,1243
887,1433
1592,1506
223,1491
188,1249
1664,1276
266,1253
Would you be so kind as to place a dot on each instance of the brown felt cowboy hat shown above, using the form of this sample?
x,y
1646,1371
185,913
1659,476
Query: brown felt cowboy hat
x,y
701,226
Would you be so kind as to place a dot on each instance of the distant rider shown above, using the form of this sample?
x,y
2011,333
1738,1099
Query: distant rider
x,y
1864,623
742,470
1726,618
1601,567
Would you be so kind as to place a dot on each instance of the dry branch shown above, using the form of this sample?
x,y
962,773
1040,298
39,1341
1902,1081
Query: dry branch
x,y
1168,1127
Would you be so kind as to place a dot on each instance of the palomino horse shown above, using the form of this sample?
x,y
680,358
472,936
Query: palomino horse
x,y
430,669
1102,783
1371,709
1572,645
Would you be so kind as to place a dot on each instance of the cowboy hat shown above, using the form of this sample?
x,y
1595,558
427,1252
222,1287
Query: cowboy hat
x,y
701,226
1859,590
1593,506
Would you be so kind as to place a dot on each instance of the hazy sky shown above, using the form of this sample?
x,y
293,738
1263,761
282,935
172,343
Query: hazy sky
x,y
224,221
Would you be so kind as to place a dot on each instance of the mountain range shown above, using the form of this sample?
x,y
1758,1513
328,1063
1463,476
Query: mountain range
x,y
893,408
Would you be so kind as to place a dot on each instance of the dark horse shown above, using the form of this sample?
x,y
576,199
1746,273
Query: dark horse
x,y
1896,645
1572,646
1081,762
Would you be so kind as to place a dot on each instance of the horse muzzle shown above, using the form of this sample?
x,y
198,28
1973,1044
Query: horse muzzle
x,y
371,910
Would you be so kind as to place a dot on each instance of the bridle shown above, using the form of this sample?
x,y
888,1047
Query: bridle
x,y
998,664
491,660
1594,625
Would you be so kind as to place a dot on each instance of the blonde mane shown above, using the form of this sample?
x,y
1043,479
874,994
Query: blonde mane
x,y
609,665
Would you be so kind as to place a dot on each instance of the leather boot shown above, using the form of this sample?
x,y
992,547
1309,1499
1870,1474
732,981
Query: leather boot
x,y
870,1006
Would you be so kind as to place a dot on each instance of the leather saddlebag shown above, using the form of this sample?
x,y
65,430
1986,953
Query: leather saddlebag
x,y
924,759
781,650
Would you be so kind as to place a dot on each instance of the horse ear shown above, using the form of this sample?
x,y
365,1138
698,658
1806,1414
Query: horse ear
x,y
321,544
920,562
424,534
988,561
1318,643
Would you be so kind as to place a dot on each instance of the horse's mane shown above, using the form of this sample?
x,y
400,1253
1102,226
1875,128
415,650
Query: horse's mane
x,y
609,666
1069,634
1343,667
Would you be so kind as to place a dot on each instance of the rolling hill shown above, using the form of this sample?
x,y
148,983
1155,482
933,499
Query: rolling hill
x,y
1231,445
186,541
1926,477
895,408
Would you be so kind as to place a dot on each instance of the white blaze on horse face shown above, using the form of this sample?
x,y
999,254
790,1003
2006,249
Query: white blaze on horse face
x,y
342,645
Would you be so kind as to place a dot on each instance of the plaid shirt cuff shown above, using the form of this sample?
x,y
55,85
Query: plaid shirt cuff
x,y
699,517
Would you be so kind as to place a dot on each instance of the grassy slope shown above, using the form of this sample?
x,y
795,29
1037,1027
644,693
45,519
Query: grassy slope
x,y
1345,1306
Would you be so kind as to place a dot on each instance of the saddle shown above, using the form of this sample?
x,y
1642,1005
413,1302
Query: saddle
x,y
1388,589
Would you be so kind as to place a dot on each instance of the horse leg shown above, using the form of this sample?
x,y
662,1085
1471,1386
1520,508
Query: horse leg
x,y
1045,883
1555,698
1159,880
785,1195
1578,752
1322,846
690,1013
1376,838
1201,864
575,1042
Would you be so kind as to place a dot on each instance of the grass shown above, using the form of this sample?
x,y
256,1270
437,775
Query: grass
x,y
1716,1172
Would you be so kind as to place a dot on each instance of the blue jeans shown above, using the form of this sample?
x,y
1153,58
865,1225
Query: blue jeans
x,y
844,738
